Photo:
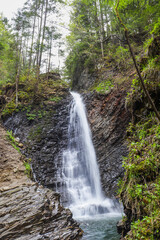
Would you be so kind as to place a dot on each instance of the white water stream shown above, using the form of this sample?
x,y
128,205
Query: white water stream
x,y
80,169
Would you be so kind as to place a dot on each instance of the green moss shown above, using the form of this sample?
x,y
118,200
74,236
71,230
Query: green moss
x,y
55,99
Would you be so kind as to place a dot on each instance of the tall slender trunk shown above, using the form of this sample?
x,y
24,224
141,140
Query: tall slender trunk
x,y
43,35
39,34
102,33
50,53
38,51
18,65
32,41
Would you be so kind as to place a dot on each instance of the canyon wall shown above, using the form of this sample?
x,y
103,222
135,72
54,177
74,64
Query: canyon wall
x,y
108,120
45,139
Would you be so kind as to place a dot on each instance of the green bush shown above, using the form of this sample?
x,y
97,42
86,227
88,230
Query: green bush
x,y
27,164
12,140
104,86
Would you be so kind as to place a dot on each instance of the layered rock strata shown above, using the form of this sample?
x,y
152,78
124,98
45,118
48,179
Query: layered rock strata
x,y
108,119
47,138
29,211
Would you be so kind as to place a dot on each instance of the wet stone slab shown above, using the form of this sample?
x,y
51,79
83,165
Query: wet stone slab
x,y
31,212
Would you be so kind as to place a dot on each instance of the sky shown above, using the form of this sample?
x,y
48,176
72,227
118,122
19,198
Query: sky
x,y
9,7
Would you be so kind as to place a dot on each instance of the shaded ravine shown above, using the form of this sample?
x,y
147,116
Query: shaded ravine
x,y
46,139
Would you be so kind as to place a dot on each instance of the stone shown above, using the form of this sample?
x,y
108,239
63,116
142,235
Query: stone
x,y
20,145
28,210
35,213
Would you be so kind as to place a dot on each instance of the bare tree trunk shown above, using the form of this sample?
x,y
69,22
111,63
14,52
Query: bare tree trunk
x,y
18,63
33,33
38,52
39,34
101,28
50,53
43,35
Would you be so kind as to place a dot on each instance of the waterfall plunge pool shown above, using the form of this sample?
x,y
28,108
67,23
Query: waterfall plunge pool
x,y
100,228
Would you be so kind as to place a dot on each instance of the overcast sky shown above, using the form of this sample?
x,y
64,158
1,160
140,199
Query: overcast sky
x,y
9,7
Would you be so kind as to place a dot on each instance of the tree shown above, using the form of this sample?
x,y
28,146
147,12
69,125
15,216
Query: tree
x,y
7,53
136,65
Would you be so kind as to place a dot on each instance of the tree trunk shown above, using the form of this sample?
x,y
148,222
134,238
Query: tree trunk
x,y
33,33
43,35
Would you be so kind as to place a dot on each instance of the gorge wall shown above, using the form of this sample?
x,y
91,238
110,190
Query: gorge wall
x,y
29,211
109,119
45,139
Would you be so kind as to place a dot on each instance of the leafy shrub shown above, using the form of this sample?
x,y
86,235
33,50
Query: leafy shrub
x,y
104,86
12,140
27,164
140,187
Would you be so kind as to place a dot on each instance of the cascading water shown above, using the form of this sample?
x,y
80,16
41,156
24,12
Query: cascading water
x,y
80,170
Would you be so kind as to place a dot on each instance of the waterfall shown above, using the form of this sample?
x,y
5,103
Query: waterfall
x,y
80,170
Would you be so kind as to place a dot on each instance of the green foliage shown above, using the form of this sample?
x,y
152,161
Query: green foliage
x,y
12,140
28,169
7,54
9,108
83,55
23,96
33,114
147,228
122,57
140,187
147,43
156,28
55,99
104,86
139,16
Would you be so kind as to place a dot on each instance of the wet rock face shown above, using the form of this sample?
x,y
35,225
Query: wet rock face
x,y
83,79
28,212
44,140
108,119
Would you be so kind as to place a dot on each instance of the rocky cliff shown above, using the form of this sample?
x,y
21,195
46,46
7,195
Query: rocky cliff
x,y
29,211
46,139
109,119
